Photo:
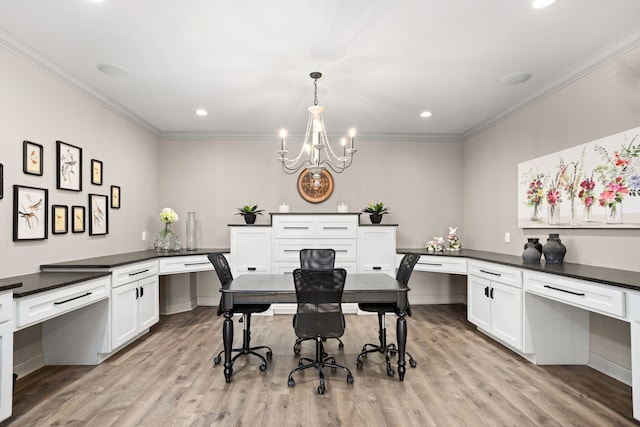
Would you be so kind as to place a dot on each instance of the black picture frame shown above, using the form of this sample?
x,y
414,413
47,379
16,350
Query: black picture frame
x,y
98,215
32,155
1,181
78,219
96,172
68,167
30,213
115,197
59,219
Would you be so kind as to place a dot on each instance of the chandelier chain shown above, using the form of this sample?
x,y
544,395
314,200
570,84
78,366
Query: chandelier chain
x,y
315,92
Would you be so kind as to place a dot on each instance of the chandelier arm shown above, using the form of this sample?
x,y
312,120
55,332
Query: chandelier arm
x,y
337,168
291,170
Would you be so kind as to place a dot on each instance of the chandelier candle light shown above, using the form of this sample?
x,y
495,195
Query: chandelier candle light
x,y
315,144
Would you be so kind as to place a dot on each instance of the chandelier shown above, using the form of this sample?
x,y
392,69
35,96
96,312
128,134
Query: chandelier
x,y
316,152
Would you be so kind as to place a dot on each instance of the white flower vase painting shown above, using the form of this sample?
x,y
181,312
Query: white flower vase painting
x,y
586,186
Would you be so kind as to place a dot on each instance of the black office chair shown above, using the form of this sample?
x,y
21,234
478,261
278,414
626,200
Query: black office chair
x,y
319,316
223,271
404,273
316,259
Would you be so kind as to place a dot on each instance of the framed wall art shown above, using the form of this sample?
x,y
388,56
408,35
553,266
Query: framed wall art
x,y
59,219
32,158
96,172
592,185
98,215
69,167
30,213
314,192
77,219
1,181
115,197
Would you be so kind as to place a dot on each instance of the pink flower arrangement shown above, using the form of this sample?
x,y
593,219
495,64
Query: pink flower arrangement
x,y
614,193
586,193
553,197
535,193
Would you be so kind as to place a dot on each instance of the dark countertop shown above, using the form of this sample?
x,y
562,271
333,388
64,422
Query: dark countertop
x,y
117,260
40,282
608,276
10,283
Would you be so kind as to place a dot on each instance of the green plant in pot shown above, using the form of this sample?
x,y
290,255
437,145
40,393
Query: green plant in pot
x,y
376,211
249,213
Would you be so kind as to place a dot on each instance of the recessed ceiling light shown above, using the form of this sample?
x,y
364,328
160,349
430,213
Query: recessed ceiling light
x,y
426,114
113,70
515,78
541,4
201,112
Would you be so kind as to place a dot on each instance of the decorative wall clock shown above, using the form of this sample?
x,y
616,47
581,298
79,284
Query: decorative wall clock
x,y
312,193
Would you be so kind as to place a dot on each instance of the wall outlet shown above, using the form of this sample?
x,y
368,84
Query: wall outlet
x,y
144,236
507,237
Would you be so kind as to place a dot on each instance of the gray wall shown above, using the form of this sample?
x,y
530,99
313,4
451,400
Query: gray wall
x,y
604,102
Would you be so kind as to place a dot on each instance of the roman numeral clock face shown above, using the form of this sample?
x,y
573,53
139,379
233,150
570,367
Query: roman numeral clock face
x,y
314,192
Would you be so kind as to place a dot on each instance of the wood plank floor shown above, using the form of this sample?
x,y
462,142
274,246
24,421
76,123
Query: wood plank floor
x,y
463,378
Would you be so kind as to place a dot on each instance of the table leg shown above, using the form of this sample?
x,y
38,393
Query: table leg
x,y
227,340
401,331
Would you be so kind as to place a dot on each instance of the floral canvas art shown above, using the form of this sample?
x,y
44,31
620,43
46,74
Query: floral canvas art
x,y
593,185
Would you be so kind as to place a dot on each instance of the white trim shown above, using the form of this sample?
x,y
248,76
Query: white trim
x,y
27,366
609,368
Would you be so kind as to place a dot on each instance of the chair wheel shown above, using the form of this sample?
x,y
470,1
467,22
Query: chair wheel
x,y
390,372
296,350
263,367
269,355
321,387
300,363
349,379
412,363
340,346
393,353
291,382
359,364
217,360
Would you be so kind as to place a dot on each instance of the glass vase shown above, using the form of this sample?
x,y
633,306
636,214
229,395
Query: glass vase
x,y
192,232
167,240
586,214
553,217
535,215
572,213
614,214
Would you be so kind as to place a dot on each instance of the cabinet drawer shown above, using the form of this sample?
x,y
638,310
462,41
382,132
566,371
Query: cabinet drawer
x,y
496,272
337,227
46,305
315,226
288,250
299,227
588,295
441,264
6,306
251,269
124,275
288,267
185,264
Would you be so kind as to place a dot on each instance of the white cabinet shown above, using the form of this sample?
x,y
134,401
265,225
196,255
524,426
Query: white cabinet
x,y
494,305
134,302
250,250
6,354
377,249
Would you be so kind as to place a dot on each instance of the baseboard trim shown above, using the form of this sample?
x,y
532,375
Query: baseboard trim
x,y
208,301
29,365
436,299
179,308
609,368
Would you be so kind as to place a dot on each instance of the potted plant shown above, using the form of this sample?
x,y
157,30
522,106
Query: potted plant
x,y
249,213
376,210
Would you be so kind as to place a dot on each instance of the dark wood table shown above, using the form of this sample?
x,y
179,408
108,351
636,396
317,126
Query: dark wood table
x,y
279,288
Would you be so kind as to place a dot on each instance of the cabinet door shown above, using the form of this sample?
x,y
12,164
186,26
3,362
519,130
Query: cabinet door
x,y
124,314
478,304
377,250
506,314
6,369
250,250
148,303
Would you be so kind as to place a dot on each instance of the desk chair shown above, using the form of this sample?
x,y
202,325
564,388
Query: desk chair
x,y
319,316
223,271
316,259
404,273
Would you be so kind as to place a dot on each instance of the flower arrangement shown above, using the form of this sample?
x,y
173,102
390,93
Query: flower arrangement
x,y
454,241
168,216
535,192
435,245
587,192
167,240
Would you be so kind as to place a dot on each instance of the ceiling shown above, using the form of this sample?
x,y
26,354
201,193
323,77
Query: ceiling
x,y
383,62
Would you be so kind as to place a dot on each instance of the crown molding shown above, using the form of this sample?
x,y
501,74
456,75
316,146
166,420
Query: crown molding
x,y
263,136
592,62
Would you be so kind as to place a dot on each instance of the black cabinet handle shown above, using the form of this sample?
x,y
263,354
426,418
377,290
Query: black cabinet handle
x,y
490,272
564,290
491,293
251,268
196,263
137,293
141,291
377,268
139,272
486,291
72,299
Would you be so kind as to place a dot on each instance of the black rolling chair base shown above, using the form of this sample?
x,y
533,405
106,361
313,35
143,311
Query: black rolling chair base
x,y
296,346
389,351
319,364
246,349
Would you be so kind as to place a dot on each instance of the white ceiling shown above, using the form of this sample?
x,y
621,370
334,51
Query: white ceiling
x,y
248,62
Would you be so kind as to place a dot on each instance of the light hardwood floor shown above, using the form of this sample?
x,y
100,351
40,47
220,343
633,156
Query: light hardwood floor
x,y
463,378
